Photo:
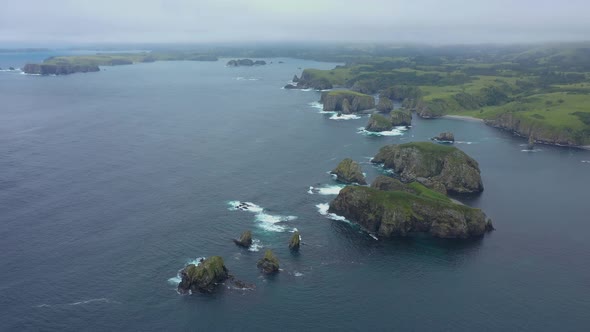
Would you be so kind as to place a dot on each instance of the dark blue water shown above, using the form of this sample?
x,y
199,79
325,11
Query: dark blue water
x,y
111,182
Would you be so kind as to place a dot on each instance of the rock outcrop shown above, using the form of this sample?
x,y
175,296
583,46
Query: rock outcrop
x,y
295,242
349,171
295,79
531,144
446,137
399,213
50,69
310,81
401,118
245,62
204,277
385,105
378,123
346,101
268,264
245,240
439,164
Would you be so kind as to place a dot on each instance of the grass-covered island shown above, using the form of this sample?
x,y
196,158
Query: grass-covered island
x,y
538,91
64,65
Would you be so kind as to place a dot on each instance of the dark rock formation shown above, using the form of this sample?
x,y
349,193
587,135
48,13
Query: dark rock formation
x,y
46,69
295,79
399,213
245,62
531,144
269,264
447,165
295,241
378,123
349,171
11,68
386,183
309,81
245,240
446,137
385,105
353,102
203,278
401,118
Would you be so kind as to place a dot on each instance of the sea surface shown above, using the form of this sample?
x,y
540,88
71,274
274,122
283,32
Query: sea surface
x,y
111,182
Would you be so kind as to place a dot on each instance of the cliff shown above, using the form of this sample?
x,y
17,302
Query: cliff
x,y
310,81
50,69
433,164
349,171
400,213
378,123
334,101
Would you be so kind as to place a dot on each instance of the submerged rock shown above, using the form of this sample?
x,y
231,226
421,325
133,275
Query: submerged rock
x,y
245,240
269,264
401,118
401,213
203,278
349,171
378,123
445,137
295,242
447,165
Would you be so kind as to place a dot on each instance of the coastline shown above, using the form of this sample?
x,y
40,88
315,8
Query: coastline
x,y
462,117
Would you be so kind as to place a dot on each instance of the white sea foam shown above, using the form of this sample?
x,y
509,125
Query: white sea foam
x,y
397,131
102,300
533,150
323,210
256,245
317,105
586,161
463,142
240,78
326,190
344,117
298,274
374,236
265,220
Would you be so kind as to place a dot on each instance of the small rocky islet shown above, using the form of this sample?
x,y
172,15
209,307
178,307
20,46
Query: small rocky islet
x,y
245,63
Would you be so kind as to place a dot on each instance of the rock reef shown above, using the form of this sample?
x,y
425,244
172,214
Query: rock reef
x,y
446,137
433,164
269,264
349,171
204,277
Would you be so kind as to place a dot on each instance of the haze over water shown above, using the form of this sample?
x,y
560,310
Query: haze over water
x,y
111,182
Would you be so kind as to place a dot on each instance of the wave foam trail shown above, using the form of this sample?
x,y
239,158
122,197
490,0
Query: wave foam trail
x,y
586,161
326,190
462,142
397,131
266,221
240,78
256,245
317,105
533,150
344,117
323,210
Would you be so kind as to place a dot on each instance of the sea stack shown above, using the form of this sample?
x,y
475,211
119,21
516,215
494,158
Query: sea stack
x,y
295,242
349,172
245,240
269,264
531,143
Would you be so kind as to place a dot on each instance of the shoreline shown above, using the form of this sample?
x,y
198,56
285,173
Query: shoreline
x,y
462,117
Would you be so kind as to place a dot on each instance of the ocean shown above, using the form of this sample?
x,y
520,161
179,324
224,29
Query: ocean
x,y
111,182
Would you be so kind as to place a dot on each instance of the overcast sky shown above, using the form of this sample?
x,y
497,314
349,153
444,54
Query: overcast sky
x,y
188,21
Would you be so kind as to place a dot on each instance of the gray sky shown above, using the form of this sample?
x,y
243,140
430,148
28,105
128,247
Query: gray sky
x,y
431,21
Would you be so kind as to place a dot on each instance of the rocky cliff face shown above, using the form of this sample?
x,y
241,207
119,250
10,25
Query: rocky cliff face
x,y
512,123
444,165
401,118
335,101
385,105
399,213
308,81
45,69
349,171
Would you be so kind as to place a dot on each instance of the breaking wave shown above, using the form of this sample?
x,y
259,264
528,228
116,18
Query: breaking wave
x,y
177,279
266,221
397,131
339,117
323,210
240,78
325,190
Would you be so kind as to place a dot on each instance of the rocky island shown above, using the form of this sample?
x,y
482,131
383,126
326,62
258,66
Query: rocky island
x,y
440,167
390,208
245,63
349,171
309,81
